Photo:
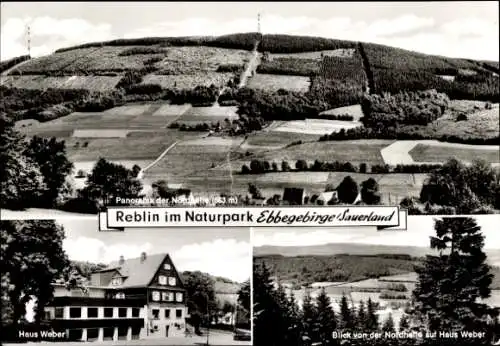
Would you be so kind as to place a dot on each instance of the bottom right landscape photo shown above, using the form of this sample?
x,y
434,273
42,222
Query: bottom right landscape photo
x,y
436,283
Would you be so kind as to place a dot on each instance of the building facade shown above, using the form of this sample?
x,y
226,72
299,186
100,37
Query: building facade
x,y
136,298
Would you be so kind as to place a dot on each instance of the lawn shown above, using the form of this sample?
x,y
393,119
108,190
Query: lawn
x,y
272,82
171,110
434,153
315,126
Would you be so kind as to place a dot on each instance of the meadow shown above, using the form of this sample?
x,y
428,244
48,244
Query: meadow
x,y
318,55
93,83
315,126
432,153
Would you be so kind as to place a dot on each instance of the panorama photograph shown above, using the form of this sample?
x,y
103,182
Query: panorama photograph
x,y
268,103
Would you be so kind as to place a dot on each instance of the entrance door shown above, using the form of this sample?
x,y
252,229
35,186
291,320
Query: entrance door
x,y
166,331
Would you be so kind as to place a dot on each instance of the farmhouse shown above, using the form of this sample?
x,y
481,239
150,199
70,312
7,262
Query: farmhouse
x,y
131,299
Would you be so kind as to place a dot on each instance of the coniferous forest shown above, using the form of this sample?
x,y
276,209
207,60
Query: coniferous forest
x,y
448,298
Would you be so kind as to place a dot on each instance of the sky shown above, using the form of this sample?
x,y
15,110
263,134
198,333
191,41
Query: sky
x,y
419,229
468,29
218,251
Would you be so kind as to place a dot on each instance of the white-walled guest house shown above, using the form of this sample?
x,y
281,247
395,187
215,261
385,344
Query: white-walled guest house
x,y
135,298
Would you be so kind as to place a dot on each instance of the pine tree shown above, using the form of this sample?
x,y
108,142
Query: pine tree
x,y
294,334
451,284
361,318
308,317
266,309
325,319
389,325
371,317
346,317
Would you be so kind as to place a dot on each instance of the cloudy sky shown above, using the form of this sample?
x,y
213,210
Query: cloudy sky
x,y
223,252
457,29
417,234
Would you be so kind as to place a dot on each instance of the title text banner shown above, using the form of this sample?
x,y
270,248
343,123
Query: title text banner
x,y
123,217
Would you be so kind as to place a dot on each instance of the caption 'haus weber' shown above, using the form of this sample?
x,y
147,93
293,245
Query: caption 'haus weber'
x,y
134,298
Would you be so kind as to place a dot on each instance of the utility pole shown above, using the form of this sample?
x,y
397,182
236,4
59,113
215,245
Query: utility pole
x,y
28,34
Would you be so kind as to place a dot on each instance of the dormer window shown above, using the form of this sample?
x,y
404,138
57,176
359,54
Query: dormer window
x,y
172,281
167,266
162,280
116,281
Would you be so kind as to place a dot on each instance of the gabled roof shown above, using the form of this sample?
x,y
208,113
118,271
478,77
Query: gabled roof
x,y
138,273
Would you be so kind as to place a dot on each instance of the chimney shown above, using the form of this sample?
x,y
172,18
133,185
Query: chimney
x,y
143,257
121,261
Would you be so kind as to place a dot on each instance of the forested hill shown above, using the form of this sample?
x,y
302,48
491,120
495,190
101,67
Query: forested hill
x,y
306,269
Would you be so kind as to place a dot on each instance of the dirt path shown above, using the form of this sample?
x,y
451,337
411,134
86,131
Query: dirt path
x,y
399,152
140,176
251,66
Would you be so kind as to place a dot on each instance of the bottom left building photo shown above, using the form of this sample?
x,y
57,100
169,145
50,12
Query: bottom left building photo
x,y
63,280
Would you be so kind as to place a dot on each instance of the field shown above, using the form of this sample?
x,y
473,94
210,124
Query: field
x,y
263,140
193,157
208,114
187,60
171,110
93,83
356,151
318,55
108,58
432,153
275,82
290,66
188,81
480,123
315,126
355,111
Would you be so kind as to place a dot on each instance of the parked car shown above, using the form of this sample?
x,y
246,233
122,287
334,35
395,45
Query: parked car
x,y
242,335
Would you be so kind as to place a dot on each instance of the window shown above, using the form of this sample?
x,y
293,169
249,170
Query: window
x,y
75,312
92,312
122,312
122,333
167,266
167,313
108,333
162,280
75,334
48,315
164,296
178,297
116,281
170,296
135,312
59,313
171,281
108,312
178,313
156,296
120,295
156,314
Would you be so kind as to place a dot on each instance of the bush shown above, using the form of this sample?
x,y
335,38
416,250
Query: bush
x,y
144,89
347,190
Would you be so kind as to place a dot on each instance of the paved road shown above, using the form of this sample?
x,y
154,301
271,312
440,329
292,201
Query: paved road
x,y
215,339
